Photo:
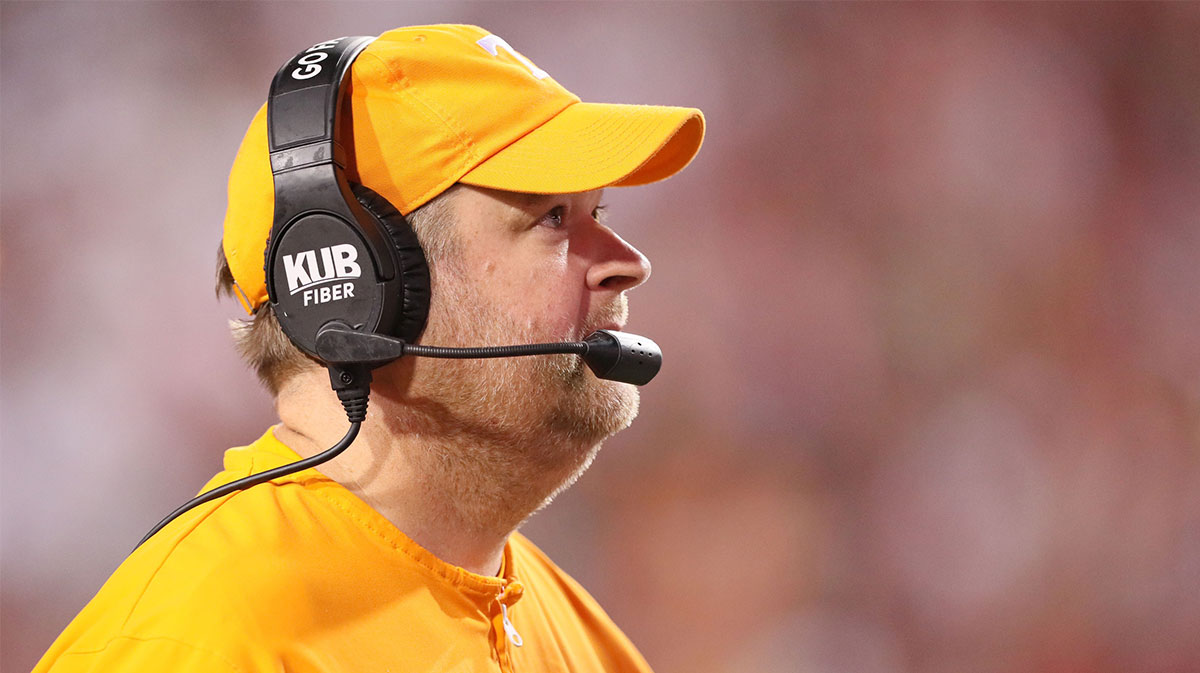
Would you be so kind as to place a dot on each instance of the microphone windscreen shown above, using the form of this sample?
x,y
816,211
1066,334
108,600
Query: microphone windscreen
x,y
621,356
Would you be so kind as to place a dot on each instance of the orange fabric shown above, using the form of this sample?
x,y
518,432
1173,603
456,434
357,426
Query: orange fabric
x,y
299,575
435,105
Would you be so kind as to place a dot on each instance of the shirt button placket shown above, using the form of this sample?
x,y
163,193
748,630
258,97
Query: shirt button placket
x,y
507,635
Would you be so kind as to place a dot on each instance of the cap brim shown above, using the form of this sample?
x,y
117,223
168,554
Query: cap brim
x,y
593,145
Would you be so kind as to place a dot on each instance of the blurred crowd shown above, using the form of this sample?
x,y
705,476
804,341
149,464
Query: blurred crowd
x,y
929,301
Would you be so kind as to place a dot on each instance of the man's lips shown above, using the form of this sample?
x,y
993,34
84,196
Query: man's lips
x,y
593,327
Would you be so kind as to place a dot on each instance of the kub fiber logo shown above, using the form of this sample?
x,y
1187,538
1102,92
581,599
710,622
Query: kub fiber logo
x,y
321,281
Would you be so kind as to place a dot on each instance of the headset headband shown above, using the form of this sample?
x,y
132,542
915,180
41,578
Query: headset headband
x,y
307,159
305,97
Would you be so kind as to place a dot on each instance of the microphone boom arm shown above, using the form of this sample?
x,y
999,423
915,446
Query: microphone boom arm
x,y
612,355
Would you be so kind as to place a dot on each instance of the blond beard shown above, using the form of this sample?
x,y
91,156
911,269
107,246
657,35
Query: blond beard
x,y
506,435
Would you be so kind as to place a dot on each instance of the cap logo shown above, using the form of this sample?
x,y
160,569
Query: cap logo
x,y
305,273
492,45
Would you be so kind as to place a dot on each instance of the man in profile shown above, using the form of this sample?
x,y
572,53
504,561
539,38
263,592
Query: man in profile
x,y
402,554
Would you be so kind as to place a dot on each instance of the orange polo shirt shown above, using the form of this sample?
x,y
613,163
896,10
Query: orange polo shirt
x,y
299,575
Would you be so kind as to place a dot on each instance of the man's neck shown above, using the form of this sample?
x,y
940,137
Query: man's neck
x,y
455,495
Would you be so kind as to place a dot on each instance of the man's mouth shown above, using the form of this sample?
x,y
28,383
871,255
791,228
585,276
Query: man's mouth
x,y
611,317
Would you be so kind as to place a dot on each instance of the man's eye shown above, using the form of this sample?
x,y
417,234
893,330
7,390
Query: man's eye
x,y
554,218
600,213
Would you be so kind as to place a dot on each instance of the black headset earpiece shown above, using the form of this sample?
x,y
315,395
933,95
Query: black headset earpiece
x,y
411,264
337,252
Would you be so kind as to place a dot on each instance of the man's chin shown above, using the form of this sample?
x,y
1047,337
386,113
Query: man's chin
x,y
591,410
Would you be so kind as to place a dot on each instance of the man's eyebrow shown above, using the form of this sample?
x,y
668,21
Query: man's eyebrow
x,y
529,200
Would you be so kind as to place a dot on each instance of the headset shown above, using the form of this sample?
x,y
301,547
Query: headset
x,y
346,276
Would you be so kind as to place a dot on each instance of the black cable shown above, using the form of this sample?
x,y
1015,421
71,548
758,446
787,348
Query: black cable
x,y
247,482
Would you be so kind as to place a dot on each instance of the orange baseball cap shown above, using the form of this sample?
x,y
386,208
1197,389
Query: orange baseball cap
x,y
436,105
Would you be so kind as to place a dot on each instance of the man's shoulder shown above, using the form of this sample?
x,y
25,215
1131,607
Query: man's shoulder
x,y
538,568
586,638
250,570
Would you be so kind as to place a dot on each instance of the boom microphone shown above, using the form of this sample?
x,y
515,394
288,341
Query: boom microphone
x,y
611,355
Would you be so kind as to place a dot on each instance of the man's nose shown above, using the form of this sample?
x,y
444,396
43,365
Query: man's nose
x,y
619,266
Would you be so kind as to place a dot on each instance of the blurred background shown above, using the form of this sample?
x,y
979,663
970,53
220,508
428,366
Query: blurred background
x,y
929,298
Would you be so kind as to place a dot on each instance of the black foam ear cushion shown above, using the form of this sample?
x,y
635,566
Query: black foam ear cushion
x,y
410,264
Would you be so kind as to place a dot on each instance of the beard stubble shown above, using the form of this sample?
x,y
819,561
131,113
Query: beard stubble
x,y
512,432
